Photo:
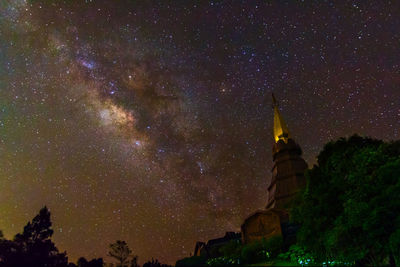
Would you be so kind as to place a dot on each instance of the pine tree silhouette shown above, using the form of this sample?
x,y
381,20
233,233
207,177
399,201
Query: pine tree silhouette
x,y
33,247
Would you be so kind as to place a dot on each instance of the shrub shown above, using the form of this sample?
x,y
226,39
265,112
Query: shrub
x,y
274,245
232,249
223,261
191,261
262,250
297,254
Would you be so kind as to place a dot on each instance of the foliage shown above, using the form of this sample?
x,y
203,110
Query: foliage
x,y
134,262
349,207
234,253
192,261
274,246
38,230
82,262
261,251
121,252
223,261
298,255
253,252
155,263
33,247
232,249
394,244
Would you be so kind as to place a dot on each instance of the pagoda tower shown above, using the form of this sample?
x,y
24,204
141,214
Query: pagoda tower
x,y
288,169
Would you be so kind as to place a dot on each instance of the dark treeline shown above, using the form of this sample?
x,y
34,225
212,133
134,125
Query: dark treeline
x,y
34,247
347,214
349,211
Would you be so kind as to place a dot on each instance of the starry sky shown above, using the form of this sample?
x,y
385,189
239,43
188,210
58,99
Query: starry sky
x,y
151,121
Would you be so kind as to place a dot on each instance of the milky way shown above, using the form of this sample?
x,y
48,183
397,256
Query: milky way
x,y
151,122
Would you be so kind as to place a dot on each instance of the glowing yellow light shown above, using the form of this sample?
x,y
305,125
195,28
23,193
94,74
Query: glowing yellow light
x,y
281,131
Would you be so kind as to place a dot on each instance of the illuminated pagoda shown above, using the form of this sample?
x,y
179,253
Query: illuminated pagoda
x,y
289,166
287,179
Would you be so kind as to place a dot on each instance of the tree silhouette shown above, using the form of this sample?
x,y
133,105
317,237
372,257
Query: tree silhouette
x,y
33,247
134,262
82,262
121,252
39,230
8,251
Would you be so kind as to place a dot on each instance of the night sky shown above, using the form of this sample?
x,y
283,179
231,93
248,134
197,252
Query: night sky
x,y
151,122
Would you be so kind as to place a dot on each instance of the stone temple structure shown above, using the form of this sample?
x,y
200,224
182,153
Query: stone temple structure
x,y
289,166
287,179
211,248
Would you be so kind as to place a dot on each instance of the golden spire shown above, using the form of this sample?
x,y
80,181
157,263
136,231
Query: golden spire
x,y
281,131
